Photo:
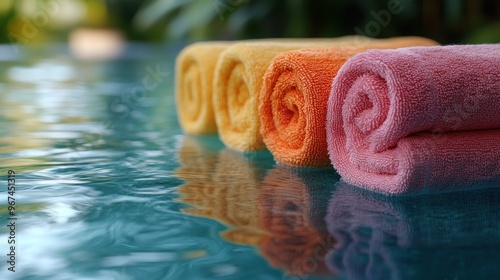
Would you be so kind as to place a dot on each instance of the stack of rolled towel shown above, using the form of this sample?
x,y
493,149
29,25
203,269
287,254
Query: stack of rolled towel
x,y
397,116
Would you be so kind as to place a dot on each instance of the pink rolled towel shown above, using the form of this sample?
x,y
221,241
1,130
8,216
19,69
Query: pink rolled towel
x,y
417,119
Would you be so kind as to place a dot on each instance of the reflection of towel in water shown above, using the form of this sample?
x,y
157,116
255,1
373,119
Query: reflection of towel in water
x,y
238,81
223,187
445,236
282,215
294,96
292,206
385,105
198,158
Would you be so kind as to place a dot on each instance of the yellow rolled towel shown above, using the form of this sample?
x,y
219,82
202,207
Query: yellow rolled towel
x,y
193,86
238,80
194,74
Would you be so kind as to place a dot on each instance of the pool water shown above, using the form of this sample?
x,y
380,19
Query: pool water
x,y
108,187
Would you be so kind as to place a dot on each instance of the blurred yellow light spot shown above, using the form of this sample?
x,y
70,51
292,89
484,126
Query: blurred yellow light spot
x,y
74,119
194,254
245,235
24,208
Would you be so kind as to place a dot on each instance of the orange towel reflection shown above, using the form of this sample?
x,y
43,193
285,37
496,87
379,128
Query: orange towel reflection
x,y
292,210
282,214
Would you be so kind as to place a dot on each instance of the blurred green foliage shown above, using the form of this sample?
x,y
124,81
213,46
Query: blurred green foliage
x,y
448,21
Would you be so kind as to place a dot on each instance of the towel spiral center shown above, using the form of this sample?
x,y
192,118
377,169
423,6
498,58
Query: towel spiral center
x,y
238,97
287,115
191,88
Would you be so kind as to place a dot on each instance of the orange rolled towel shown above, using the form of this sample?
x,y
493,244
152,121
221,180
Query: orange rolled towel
x,y
193,86
294,96
238,81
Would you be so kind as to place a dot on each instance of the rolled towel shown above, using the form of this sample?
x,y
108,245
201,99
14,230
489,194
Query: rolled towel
x,y
406,120
193,86
195,66
294,96
238,80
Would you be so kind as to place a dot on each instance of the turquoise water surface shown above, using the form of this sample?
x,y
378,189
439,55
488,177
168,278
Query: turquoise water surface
x,y
108,187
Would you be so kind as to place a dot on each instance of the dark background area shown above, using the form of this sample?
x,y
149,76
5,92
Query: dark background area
x,y
447,21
